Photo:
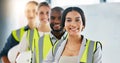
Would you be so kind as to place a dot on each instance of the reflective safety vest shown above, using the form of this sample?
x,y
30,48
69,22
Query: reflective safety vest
x,y
40,46
17,34
87,56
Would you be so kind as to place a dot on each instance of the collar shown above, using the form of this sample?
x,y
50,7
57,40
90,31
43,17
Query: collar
x,y
54,39
26,28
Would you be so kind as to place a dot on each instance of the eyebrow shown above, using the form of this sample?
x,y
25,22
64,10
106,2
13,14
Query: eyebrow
x,y
77,17
68,18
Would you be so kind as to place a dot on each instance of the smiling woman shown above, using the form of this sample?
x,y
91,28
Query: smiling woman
x,y
76,46
73,23
16,12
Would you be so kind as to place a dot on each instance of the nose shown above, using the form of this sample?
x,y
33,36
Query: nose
x,y
45,16
57,20
73,24
31,14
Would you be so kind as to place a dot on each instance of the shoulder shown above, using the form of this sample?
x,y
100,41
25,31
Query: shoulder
x,y
22,28
97,43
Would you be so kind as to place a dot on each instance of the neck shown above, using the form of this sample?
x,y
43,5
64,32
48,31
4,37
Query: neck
x,y
31,26
59,34
74,39
44,28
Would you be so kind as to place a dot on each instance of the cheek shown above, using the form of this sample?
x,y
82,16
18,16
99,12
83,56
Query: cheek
x,y
27,15
40,17
66,26
81,26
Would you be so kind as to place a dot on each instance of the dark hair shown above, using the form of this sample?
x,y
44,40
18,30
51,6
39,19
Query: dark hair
x,y
69,9
34,2
43,4
59,9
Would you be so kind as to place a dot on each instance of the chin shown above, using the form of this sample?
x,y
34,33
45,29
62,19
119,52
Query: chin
x,y
74,34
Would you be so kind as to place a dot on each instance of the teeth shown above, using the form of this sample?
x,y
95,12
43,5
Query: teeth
x,y
73,29
56,24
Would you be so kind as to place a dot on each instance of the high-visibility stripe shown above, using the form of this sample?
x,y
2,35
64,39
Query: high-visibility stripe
x,y
90,52
22,32
31,39
84,56
18,34
14,35
34,55
41,49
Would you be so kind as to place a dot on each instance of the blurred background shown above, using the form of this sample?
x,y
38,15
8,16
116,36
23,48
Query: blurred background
x,y
102,22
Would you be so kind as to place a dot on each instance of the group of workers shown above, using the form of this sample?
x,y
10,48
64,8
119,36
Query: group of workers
x,y
57,38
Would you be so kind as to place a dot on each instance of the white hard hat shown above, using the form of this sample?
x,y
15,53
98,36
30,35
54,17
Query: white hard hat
x,y
24,57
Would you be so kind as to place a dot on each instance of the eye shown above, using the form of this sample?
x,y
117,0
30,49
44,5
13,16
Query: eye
x,y
52,18
47,12
68,20
41,13
78,19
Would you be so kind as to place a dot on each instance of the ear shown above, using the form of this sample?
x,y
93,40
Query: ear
x,y
83,28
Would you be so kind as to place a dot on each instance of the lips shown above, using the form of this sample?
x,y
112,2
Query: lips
x,y
44,20
56,26
74,29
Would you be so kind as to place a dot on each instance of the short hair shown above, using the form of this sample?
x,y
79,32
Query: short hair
x,y
34,2
59,9
43,4
69,9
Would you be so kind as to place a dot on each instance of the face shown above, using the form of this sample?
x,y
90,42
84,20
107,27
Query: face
x,y
55,20
31,13
43,14
73,23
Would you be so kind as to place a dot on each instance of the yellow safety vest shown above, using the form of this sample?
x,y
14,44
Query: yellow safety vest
x,y
40,45
17,34
85,57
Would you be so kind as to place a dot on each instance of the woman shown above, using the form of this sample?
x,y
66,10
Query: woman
x,y
30,40
44,14
76,48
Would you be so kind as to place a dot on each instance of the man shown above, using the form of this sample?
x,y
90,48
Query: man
x,y
58,30
57,33
15,36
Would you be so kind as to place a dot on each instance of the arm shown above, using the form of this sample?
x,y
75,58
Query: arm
x,y
98,54
5,59
9,44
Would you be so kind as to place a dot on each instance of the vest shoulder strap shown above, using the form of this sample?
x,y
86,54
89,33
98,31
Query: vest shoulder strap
x,y
90,52
17,34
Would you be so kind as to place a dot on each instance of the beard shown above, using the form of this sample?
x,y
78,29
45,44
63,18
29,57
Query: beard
x,y
56,30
